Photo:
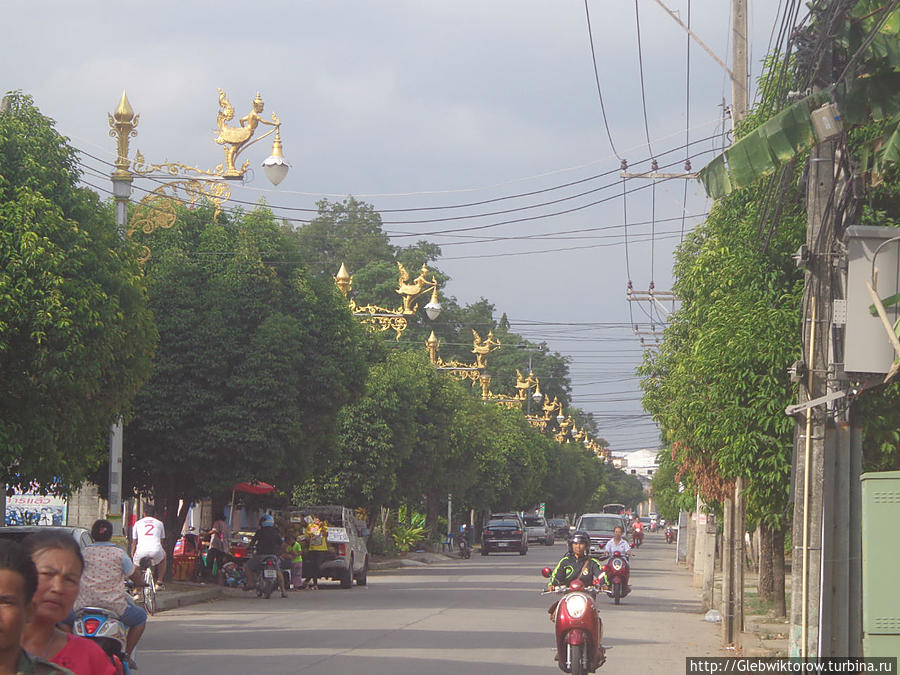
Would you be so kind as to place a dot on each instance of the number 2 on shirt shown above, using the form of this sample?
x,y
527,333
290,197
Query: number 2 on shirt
x,y
148,529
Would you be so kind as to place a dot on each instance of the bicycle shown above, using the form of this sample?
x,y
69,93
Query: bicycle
x,y
148,590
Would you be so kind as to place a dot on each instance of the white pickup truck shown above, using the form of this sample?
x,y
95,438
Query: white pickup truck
x,y
347,557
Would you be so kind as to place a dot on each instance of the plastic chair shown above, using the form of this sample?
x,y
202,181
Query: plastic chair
x,y
447,544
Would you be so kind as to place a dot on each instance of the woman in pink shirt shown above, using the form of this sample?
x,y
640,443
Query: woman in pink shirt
x,y
57,557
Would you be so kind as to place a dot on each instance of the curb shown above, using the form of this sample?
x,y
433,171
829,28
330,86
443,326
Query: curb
x,y
173,600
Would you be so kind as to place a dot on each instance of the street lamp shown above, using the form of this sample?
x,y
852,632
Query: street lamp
x,y
381,318
157,210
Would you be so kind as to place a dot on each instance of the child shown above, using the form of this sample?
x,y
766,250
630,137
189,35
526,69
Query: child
x,y
297,561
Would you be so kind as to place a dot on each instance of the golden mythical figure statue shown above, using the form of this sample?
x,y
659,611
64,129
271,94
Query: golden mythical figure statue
x,y
524,384
236,138
410,291
481,348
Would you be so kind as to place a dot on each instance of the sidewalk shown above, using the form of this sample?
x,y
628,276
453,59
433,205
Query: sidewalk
x,y
763,634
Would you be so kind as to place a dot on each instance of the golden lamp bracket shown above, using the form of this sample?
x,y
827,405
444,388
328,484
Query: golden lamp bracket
x,y
157,209
381,318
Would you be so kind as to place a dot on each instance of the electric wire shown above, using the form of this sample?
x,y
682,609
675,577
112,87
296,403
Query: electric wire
x,y
637,21
161,181
612,145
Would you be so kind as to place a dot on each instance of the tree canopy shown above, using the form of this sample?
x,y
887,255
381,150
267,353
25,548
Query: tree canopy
x,y
76,335
254,362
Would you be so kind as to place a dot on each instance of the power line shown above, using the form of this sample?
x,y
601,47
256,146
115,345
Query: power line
x,y
587,13
637,21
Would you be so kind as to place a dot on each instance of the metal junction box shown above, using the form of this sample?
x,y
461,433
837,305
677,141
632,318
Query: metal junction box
x,y
867,348
880,554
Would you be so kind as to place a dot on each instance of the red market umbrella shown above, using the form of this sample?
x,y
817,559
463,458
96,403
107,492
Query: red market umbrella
x,y
254,488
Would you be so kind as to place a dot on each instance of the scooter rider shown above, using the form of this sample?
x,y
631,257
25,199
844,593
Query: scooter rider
x,y
618,543
268,543
577,564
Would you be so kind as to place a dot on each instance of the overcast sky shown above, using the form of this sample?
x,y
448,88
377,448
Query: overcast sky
x,y
423,104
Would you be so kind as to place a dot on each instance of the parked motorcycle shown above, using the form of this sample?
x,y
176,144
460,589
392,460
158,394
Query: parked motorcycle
x,y
670,535
462,545
579,629
267,577
107,630
617,572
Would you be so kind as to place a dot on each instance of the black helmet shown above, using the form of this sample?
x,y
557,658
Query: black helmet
x,y
580,537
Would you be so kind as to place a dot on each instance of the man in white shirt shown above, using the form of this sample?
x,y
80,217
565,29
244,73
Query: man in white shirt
x,y
147,537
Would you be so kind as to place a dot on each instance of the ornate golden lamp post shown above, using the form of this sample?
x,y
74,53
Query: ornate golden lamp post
x,y
157,209
410,293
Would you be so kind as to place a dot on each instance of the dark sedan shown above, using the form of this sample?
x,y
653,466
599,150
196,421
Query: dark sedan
x,y
560,527
504,536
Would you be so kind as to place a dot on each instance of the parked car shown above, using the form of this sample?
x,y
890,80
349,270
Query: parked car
x,y
509,515
504,535
19,532
537,529
560,527
599,527
347,557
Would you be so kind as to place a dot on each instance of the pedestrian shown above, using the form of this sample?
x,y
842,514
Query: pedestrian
x,y
317,536
57,558
296,551
217,553
18,583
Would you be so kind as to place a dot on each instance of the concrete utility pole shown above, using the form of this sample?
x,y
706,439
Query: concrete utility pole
x,y
733,525
825,618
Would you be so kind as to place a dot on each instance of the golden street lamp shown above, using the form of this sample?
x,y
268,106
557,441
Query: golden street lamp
x,y
157,208
381,318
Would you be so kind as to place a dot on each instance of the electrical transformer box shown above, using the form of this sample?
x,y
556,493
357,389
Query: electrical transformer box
x,y
867,346
880,552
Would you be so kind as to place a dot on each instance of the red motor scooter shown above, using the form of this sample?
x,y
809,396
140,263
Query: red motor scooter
x,y
637,538
579,630
670,535
617,571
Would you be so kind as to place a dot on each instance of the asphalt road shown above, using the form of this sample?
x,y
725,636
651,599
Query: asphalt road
x,y
482,615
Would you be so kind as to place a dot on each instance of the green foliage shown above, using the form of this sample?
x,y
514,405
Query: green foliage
x,y
718,385
75,333
255,360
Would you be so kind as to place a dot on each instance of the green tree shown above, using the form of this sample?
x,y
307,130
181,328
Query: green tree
x,y
255,360
76,335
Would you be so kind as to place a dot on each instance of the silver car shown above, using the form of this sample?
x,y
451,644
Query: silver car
x,y
539,530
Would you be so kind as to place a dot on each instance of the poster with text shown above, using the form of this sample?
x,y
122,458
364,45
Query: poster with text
x,y
35,509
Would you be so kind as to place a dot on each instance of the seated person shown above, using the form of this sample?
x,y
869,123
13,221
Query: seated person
x,y
106,566
266,542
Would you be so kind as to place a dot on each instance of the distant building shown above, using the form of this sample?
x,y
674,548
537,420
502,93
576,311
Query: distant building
x,y
641,463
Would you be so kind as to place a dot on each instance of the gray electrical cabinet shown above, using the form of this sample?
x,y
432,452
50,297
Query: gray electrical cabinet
x,y
868,348
880,553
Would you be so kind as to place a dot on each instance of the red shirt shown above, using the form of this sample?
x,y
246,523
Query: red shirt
x,y
84,657
638,526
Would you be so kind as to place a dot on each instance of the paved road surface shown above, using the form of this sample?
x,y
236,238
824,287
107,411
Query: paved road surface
x,y
482,615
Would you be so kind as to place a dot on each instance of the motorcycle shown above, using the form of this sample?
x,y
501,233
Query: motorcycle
x,y
462,545
617,572
579,629
670,535
637,538
107,630
267,577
